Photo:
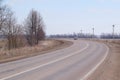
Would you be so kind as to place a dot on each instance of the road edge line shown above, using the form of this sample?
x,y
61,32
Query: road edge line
x,y
93,70
87,45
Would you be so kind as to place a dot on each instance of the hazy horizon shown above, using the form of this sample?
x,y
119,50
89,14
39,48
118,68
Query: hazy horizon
x,y
68,16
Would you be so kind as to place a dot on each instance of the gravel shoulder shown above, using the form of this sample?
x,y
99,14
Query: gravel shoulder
x,y
110,69
26,52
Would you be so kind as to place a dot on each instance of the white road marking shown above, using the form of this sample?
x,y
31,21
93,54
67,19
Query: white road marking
x,y
93,70
57,60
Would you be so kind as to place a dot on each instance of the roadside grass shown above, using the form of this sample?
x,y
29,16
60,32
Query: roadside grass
x,y
27,51
2,43
110,69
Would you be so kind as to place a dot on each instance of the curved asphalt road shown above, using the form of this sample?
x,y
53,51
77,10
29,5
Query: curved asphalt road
x,y
76,62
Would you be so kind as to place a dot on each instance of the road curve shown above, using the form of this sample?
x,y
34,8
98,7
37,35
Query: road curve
x,y
76,62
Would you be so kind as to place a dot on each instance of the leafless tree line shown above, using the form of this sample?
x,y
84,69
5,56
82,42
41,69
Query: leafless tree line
x,y
109,36
32,31
34,28
78,35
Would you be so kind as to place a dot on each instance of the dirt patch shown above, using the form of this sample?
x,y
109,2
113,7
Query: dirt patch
x,y
25,52
110,69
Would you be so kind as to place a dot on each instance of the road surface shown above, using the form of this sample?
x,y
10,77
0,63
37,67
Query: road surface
x,y
76,62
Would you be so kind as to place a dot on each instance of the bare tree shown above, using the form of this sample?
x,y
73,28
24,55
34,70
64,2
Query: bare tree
x,y
4,13
40,34
34,27
19,37
9,30
12,31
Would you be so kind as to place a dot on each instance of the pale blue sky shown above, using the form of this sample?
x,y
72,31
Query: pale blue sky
x,y
68,16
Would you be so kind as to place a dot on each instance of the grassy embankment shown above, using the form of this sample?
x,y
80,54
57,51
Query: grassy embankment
x,y
27,51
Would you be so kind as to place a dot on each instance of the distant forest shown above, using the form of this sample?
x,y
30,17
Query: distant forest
x,y
79,35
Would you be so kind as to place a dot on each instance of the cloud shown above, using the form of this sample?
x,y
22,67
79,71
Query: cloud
x,y
12,2
103,11
101,0
108,1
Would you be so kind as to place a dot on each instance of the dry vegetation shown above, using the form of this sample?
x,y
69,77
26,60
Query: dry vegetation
x,y
25,39
2,44
30,32
27,51
110,69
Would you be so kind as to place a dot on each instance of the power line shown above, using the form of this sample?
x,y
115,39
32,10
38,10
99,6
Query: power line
x,y
93,29
113,31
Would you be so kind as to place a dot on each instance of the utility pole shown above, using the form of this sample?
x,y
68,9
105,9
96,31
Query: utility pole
x,y
81,31
93,32
113,31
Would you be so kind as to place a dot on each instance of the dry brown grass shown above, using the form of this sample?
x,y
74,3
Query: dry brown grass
x,y
110,69
2,43
27,51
